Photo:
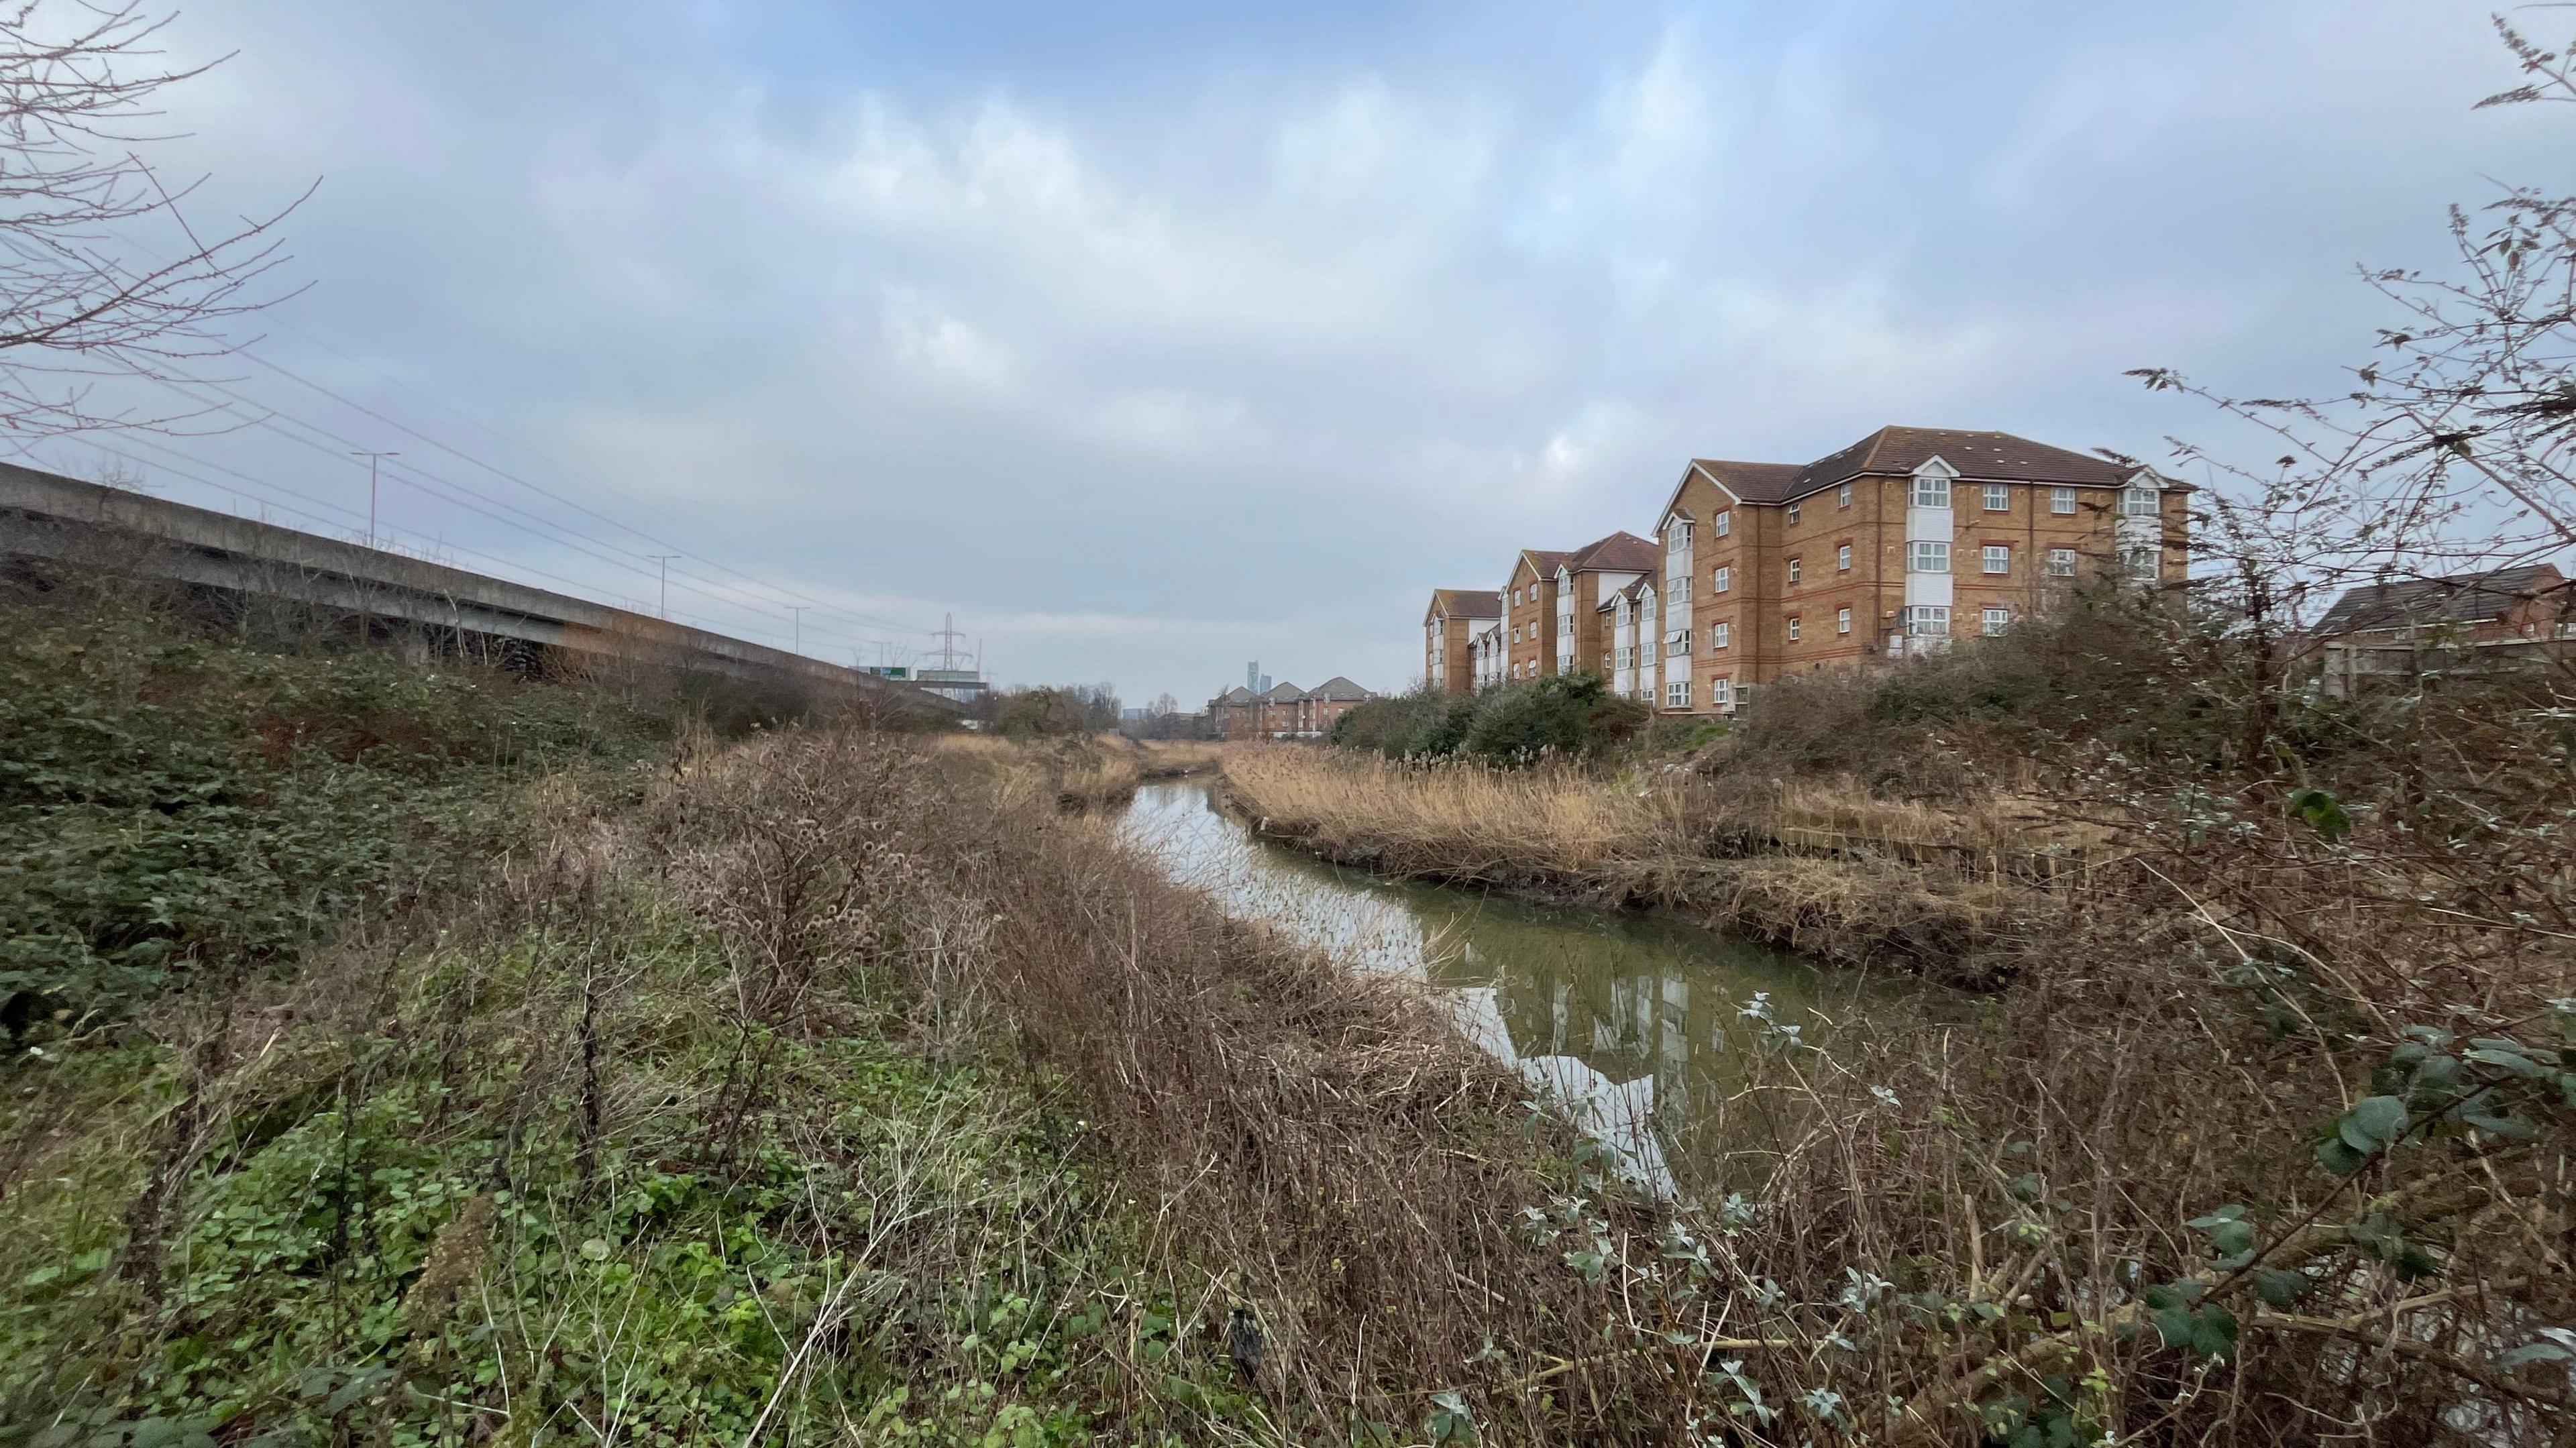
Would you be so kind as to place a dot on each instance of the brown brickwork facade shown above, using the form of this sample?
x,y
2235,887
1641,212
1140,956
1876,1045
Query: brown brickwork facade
x,y
1896,545
1449,629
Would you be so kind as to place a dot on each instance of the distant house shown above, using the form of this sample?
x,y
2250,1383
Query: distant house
x,y
1328,701
1283,711
2413,628
1235,714
1450,627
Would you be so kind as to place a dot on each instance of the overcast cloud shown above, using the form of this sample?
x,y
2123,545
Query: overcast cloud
x,y
1151,339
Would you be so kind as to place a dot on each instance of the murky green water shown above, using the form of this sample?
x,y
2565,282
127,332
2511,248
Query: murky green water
x,y
1640,1025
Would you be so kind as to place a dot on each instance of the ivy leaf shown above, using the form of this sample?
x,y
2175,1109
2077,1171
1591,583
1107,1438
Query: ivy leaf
x,y
2322,812
2373,1122
2280,1288
2507,1056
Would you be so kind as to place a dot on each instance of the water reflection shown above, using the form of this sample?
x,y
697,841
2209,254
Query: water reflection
x,y
1637,1024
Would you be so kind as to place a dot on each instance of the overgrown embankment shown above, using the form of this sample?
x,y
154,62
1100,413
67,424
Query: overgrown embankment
x,y
797,1090
1655,841
2261,1135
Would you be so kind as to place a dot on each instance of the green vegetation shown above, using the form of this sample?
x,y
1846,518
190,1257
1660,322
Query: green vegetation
x,y
1561,716
176,804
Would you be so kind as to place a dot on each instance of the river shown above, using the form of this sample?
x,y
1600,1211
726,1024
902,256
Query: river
x,y
1636,1024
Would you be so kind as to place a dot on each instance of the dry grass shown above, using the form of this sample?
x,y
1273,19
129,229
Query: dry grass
x,y
1669,842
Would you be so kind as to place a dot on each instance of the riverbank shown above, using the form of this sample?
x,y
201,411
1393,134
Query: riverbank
x,y
1090,771
818,1086
1564,836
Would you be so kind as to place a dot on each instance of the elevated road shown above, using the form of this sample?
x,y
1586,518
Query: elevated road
x,y
46,515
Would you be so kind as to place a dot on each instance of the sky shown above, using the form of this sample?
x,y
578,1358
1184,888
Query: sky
x,y
1150,339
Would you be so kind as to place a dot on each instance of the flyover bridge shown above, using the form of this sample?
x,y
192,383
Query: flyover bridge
x,y
48,516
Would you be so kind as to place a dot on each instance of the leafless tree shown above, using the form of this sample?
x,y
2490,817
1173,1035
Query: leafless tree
x,y
2456,447
102,273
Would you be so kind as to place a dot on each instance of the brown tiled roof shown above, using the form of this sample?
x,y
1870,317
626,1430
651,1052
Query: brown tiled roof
x,y
1618,553
1753,482
1338,687
1979,456
1543,560
2432,602
1466,602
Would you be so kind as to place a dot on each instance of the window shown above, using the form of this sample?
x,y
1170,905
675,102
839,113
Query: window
x,y
1793,628
1793,570
1677,642
1931,490
2061,500
1720,635
1722,580
1998,557
1724,521
2061,563
1677,694
1996,618
1793,512
1842,559
1998,497
1842,496
1928,621
2137,502
1721,693
1842,620
1927,557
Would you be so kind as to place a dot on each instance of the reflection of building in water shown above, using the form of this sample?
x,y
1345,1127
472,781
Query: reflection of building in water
x,y
1600,1011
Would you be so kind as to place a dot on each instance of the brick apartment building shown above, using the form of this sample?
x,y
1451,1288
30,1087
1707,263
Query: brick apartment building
x,y
1892,546
1284,711
1529,614
1450,627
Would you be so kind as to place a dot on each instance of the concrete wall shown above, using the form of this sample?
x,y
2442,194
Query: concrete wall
x,y
45,515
